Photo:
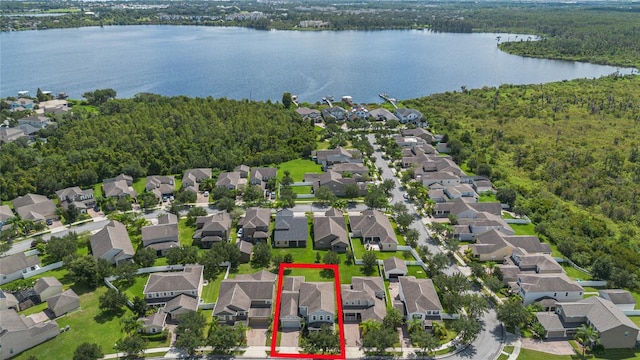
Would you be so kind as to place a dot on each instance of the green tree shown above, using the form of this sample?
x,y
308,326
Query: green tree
x,y
506,196
393,319
226,203
404,220
88,351
287,198
182,255
126,273
331,257
190,332
186,196
322,341
288,258
467,328
145,257
57,248
379,339
147,200
287,100
324,195
512,313
476,305
261,255
277,259
369,325
493,283
424,340
84,269
369,262
112,302
130,325
351,191
99,96
224,338
252,193
132,346
139,306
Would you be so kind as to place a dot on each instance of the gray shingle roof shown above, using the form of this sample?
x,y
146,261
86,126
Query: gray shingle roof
x,y
186,280
548,283
318,296
34,207
44,283
394,263
290,227
114,235
237,294
618,296
420,294
330,226
17,262
373,223
181,301
63,303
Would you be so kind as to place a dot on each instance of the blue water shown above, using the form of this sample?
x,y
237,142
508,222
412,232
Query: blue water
x,y
242,63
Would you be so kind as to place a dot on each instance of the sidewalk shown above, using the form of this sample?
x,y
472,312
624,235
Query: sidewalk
x,y
513,340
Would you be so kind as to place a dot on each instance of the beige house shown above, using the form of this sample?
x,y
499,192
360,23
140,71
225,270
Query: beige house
x,y
394,268
112,243
155,323
247,298
364,299
163,236
165,286
34,207
375,230
64,303
16,266
616,330
330,231
421,302
19,333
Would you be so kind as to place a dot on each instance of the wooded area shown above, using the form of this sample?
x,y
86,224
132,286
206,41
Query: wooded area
x,y
569,149
151,134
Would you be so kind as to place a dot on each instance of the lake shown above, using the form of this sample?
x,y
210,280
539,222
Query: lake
x,y
243,63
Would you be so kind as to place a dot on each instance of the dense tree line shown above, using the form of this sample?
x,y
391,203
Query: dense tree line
x,y
150,135
570,152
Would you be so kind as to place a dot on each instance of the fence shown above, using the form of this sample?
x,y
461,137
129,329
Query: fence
x,y
160,269
596,283
53,266
582,270
631,312
206,306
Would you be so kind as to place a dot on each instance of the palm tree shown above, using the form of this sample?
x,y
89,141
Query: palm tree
x,y
368,325
587,336
439,330
415,325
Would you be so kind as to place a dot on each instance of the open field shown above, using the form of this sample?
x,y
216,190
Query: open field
x,y
298,168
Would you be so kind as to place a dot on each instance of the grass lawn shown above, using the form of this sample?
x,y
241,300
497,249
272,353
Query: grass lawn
x,y
298,168
322,145
161,261
185,233
139,185
508,349
359,250
503,357
302,190
416,271
523,229
87,324
137,287
489,197
574,273
616,354
97,190
635,319
211,291
636,296
399,235
35,309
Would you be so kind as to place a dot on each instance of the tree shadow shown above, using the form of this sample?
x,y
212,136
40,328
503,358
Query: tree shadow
x,y
327,273
103,317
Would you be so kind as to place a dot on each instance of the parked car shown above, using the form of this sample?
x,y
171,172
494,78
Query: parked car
x,y
206,194
49,222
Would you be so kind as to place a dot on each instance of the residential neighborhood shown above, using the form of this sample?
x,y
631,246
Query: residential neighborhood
x,y
431,258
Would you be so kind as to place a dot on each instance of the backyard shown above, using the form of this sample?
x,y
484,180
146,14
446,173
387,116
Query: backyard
x,y
298,168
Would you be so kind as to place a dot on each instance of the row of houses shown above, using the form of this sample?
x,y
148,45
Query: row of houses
x,y
243,175
337,113
249,299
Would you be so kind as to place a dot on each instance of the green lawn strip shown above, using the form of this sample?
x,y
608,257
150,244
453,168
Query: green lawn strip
x,y
139,185
322,145
399,235
503,357
488,197
137,287
635,319
161,261
506,215
636,295
298,168
86,325
358,249
388,299
508,349
526,354
417,271
523,229
211,291
574,273
185,233
302,190
97,190
592,288
35,309
446,351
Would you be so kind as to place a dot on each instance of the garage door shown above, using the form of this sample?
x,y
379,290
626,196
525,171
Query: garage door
x,y
290,324
555,334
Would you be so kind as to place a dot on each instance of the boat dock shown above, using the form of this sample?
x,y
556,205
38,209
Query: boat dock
x,y
389,99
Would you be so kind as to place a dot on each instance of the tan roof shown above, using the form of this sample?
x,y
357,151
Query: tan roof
x,y
548,283
44,283
181,301
228,178
113,236
373,223
34,207
118,188
602,313
318,296
186,280
419,294
255,217
394,263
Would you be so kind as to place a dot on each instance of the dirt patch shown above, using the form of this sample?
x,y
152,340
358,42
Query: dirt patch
x,y
556,347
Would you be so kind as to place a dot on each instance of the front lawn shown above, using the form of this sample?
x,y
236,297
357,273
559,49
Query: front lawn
x,y
298,168
302,190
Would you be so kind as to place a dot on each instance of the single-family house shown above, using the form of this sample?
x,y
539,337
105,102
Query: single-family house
x,y
212,229
420,300
394,268
364,299
495,245
162,236
419,132
482,185
255,225
180,305
312,301
615,330
16,266
63,303
408,115
408,141
246,248
161,186
484,222
229,180
24,103
356,169
246,298
164,286
382,114
80,199
155,323
330,231
9,134
19,333
334,113
375,230
310,114
119,189
128,179
338,184
193,177
112,243
532,287
260,176
243,170
46,287
359,112
291,230
34,207
37,121
623,299
442,178
339,155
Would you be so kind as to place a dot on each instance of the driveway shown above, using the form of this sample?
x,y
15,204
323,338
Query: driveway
x,y
556,347
352,335
289,339
257,336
